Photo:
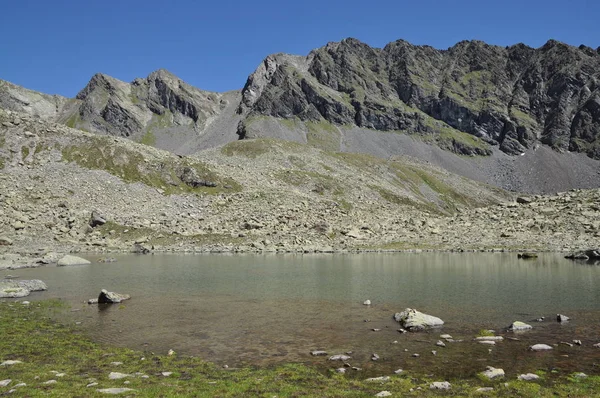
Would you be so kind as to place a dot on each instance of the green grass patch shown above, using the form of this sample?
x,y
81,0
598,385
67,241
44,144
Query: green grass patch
x,y
103,153
24,152
148,138
323,135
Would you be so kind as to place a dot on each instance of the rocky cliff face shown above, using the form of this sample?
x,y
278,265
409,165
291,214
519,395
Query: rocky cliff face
x,y
515,97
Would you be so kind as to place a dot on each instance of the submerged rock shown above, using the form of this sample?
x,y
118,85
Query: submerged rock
x,y
107,297
540,347
414,320
72,260
519,326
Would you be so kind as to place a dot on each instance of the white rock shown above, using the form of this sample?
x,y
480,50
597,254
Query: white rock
x,y
398,371
367,302
440,385
446,337
114,390
519,326
383,394
4,383
380,378
489,338
72,260
92,384
339,357
492,373
440,343
580,375
484,389
166,374
488,342
528,377
540,347
412,319
117,375
9,363
341,370
50,382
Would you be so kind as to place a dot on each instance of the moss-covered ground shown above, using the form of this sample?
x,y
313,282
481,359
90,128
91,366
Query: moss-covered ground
x,y
50,351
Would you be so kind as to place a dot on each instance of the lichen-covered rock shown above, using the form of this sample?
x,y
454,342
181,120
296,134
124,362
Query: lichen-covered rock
x,y
414,320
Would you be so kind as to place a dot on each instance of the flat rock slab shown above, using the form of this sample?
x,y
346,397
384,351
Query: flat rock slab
x,y
117,375
72,260
4,383
383,394
540,347
489,338
339,357
414,320
10,363
114,391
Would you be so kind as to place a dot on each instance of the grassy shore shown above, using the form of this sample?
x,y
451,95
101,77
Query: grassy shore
x,y
50,351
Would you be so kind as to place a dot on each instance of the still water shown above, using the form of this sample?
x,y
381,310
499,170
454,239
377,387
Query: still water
x,y
265,309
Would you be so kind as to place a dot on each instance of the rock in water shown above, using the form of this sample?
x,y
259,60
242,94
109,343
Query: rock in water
x,y
107,297
72,260
562,318
414,320
518,326
492,373
527,256
12,289
540,347
33,285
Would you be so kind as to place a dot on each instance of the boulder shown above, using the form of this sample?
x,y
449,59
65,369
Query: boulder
x,y
12,289
562,318
107,297
33,285
72,260
540,347
96,219
519,326
592,254
492,373
414,320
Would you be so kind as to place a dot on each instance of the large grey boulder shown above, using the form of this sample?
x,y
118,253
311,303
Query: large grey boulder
x,y
107,297
414,320
11,289
72,260
96,219
33,285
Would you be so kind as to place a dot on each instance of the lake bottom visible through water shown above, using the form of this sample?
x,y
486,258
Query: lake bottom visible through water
x,y
262,310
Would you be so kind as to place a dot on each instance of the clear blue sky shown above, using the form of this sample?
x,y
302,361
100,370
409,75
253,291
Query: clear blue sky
x,y
55,46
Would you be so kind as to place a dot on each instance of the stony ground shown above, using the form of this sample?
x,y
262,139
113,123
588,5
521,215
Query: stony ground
x,y
262,195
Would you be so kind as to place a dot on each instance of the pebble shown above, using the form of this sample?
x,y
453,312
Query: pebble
x,y
540,347
374,357
10,363
339,357
440,343
580,375
446,337
117,375
318,353
416,355
528,377
50,382
341,370
166,374
114,390
383,394
367,302
380,378
92,384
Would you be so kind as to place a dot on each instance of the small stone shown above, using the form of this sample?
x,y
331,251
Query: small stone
x,y
4,383
92,301
492,373
318,353
376,330
117,375
484,389
577,342
440,343
580,375
446,337
171,352
374,357
489,338
166,374
401,331
597,345
114,390
440,385
528,377
92,384
20,385
339,357
398,371
380,378
519,326
488,342
341,370
10,363
383,394
116,363
25,303
367,302
562,318
434,352
540,347
50,382
416,355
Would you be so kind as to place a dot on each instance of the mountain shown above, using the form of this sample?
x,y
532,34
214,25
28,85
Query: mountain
x,y
520,118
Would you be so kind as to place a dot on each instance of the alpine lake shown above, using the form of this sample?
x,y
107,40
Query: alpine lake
x,y
261,310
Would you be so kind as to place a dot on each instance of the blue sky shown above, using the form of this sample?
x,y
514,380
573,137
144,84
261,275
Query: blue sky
x,y
56,46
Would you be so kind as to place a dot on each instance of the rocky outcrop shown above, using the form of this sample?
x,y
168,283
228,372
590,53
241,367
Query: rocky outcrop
x,y
514,97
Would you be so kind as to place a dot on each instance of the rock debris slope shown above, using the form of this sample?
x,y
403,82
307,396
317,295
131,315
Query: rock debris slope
x,y
255,195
